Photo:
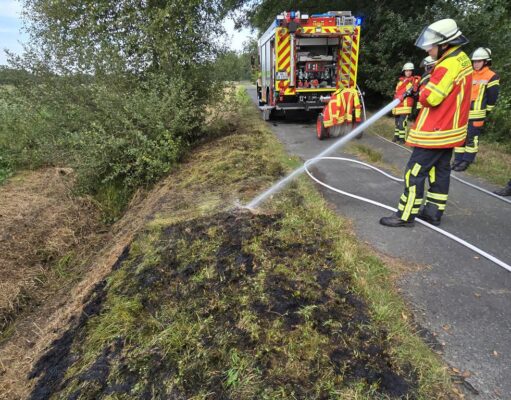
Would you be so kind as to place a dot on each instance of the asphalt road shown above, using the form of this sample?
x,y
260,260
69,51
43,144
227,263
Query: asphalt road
x,y
461,297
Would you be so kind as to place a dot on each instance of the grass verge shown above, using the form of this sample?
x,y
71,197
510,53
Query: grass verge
x,y
214,302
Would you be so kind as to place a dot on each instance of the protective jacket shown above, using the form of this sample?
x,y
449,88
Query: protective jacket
x,y
403,84
422,83
443,120
485,90
343,107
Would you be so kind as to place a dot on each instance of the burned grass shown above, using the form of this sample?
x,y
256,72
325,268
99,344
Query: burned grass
x,y
225,307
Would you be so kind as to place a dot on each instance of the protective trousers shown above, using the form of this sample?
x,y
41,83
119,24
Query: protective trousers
x,y
469,151
400,130
432,164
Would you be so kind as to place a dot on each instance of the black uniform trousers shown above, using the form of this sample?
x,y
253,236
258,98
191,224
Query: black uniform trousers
x,y
431,164
401,122
469,151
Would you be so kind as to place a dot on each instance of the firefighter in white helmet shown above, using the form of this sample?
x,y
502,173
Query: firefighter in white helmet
x,y
441,125
485,91
427,64
401,112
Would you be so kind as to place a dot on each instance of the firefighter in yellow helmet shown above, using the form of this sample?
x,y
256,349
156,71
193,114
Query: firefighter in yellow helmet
x,y
402,111
485,90
441,125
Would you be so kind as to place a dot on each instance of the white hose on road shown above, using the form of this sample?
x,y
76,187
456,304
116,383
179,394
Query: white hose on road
x,y
378,204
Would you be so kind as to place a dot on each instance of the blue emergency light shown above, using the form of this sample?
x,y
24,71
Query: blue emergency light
x,y
358,21
293,14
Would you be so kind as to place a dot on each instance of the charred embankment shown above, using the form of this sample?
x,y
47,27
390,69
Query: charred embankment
x,y
229,306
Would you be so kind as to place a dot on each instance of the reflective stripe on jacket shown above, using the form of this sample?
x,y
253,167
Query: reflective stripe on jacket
x,y
443,120
342,106
423,82
403,84
485,90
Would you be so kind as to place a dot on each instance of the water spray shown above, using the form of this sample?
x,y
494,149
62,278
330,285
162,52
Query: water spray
x,y
338,144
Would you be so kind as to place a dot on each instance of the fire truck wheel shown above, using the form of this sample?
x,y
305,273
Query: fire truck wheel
x,y
321,131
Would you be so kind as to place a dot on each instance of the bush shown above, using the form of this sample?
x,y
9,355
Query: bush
x,y
499,124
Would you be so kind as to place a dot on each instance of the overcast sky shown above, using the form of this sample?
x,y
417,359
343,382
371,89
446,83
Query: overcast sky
x,y
11,36
10,25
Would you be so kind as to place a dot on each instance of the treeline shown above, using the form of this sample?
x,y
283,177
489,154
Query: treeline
x,y
11,76
389,30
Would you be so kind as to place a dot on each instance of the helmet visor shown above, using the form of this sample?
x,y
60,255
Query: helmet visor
x,y
428,38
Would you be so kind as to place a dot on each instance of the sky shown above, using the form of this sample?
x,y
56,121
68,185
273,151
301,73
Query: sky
x,y
12,37
10,26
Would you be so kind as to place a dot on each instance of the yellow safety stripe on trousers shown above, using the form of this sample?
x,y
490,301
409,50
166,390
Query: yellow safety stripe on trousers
x,y
407,178
459,149
493,83
441,207
475,148
432,175
403,200
412,193
437,196
415,210
490,107
416,169
477,114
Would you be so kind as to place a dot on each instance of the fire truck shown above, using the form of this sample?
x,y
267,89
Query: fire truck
x,y
306,60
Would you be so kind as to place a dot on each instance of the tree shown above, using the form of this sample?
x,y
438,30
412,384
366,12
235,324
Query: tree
x,y
121,90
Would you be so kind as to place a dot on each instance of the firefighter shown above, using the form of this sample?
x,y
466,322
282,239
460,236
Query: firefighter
x,y
441,125
428,63
505,191
401,112
485,90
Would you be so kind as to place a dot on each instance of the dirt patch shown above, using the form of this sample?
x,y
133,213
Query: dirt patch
x,y
40,222
236,312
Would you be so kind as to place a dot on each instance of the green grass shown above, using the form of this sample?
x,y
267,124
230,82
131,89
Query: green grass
x,y
366,153
5,167
493,163
212,301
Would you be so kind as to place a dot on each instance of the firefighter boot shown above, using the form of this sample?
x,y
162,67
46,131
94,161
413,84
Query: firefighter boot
x,y
395,222
462,166
504,191
430,214
455,164
433,220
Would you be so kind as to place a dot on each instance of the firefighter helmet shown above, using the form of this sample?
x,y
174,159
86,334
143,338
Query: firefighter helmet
x,y
427,62
481,53
440,32
408,67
